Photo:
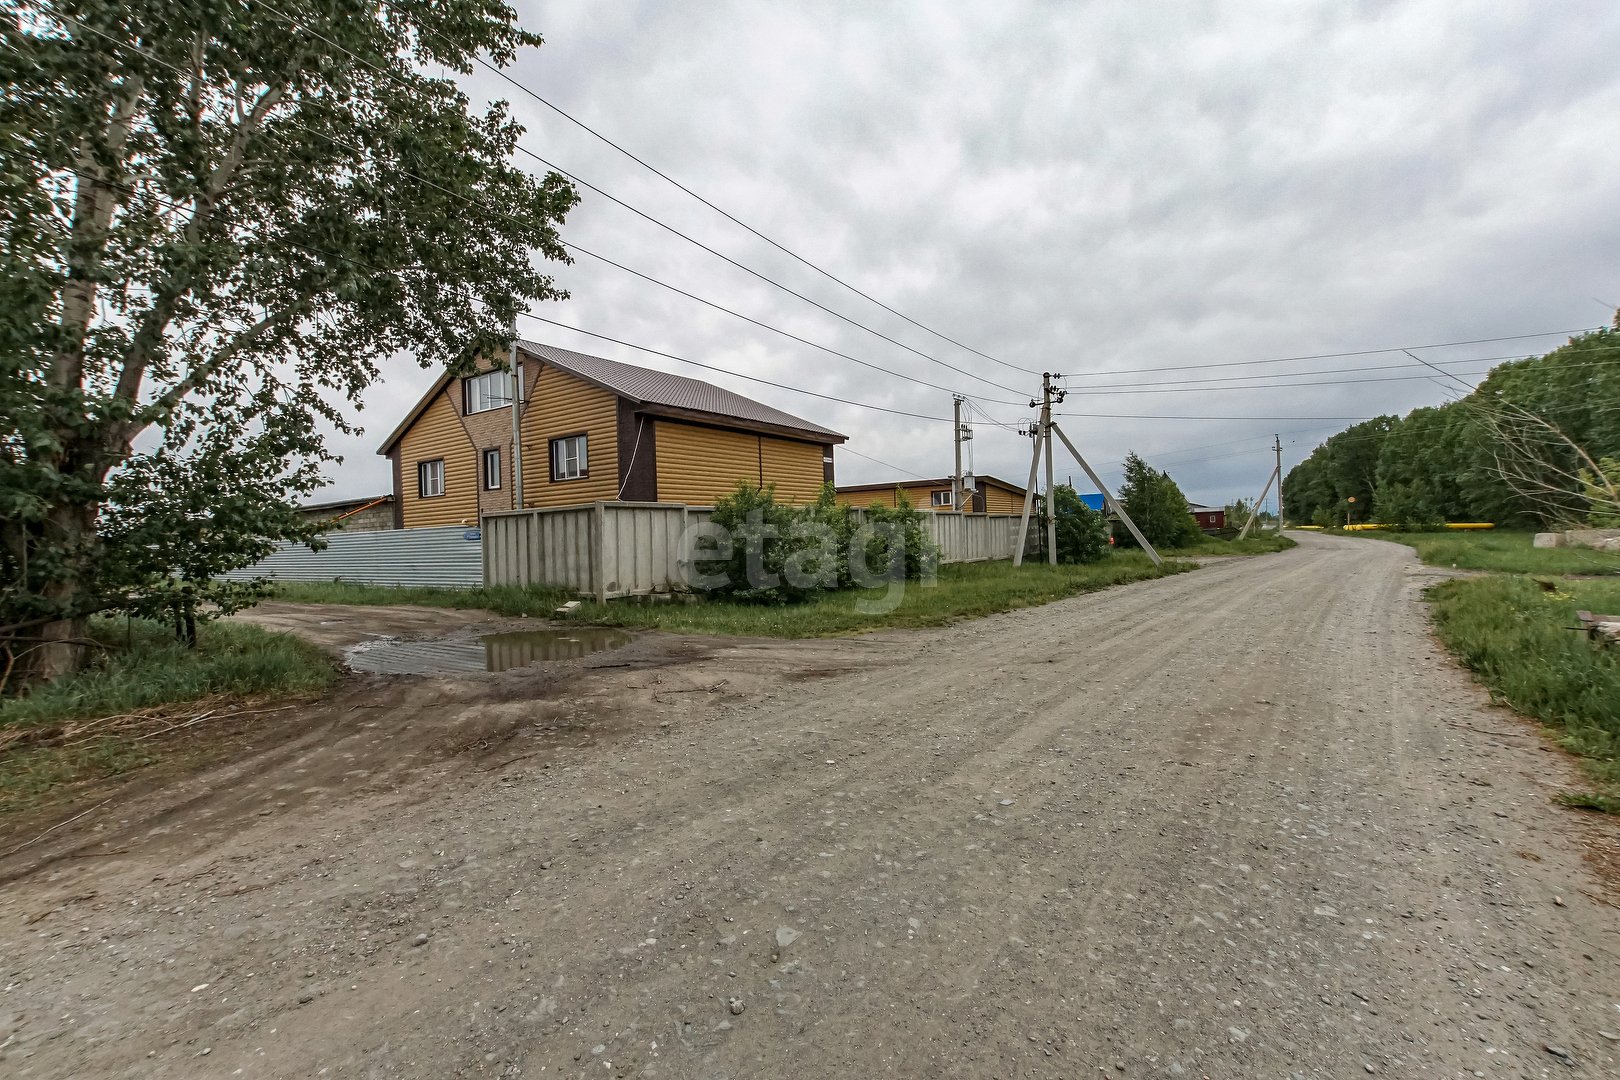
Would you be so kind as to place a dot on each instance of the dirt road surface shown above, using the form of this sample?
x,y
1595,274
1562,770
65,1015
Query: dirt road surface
x,y
1243,822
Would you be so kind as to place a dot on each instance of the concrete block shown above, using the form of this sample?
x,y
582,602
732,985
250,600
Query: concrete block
x,y
1549,540
1592,538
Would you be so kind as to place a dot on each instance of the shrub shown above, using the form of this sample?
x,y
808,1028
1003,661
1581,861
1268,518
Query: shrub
x,y
1082,533
784,554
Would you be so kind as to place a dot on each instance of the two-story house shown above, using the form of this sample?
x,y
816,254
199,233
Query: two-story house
x,y
593,429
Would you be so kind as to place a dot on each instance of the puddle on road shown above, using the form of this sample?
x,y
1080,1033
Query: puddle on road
x,y
492,652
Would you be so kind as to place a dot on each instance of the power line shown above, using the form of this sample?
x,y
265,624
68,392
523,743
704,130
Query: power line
x,y
767,326
903,472
670,228
726,371
736,221
1332,355
474,203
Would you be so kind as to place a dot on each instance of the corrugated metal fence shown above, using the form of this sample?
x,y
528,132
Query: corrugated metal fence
x,y
601,549
437,556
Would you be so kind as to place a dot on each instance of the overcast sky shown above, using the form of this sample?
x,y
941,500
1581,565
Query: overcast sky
x,y
1092,189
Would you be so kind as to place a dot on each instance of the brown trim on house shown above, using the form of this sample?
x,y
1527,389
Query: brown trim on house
x,y
638,454
399,488
551,468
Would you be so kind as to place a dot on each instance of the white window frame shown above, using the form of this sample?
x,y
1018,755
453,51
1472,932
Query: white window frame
x,y
569,450
943,499
491,476
430,478
486,392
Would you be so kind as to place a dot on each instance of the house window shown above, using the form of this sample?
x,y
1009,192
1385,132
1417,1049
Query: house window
x,y
429,478
492,470
568,458
942,498
492,390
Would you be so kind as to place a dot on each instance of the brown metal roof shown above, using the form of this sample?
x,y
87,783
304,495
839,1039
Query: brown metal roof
x,y
944,481
649,387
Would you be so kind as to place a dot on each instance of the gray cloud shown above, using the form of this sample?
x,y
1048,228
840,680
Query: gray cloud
x,y
1085,188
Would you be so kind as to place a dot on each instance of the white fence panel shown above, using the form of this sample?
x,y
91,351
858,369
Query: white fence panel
x,y
972,537
438,556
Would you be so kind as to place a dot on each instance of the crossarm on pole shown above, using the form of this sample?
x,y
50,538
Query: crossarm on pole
x,y
1110,500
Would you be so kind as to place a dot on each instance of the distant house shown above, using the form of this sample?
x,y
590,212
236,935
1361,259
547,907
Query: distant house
x,y
993,496
593,429
1209,518
374,513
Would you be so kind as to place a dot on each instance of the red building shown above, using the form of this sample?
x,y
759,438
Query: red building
x,y
1209,518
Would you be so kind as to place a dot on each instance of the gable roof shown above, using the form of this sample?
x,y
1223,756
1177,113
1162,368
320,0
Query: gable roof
x,y
644,386
688,398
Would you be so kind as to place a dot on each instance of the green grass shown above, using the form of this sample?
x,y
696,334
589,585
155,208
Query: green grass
x,y
1254,545
140,667
1511,634
501,599
965,591
1507,551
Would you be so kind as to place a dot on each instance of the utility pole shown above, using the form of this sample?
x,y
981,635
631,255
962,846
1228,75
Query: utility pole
x,y
1046,429
1279,484
1274,478
1043,433
956,441
517,422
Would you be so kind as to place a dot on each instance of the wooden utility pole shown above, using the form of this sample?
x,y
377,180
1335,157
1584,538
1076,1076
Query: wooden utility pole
x,y
956,441
517,422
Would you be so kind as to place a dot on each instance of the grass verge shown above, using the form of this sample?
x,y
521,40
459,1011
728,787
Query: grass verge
x,y
1506,551
1211,545
1511,634
536,600
100,722
965,591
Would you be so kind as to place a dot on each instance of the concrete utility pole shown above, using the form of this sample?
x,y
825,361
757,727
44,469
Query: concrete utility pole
x,y
517,422
1046,429
1279,484
1043,432
956,440
1274,478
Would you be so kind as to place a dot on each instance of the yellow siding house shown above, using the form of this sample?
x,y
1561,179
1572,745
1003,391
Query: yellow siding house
x,y
593,429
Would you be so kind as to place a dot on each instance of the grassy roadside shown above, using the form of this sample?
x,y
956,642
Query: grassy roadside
x,y
1211,546
1505,551
514,600
965,591
1512,634
1510,631
100,722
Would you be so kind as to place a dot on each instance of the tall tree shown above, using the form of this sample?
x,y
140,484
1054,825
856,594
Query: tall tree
x,y
217,218
1157,506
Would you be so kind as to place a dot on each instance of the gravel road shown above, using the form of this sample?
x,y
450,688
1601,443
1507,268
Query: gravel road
x,y
1243,822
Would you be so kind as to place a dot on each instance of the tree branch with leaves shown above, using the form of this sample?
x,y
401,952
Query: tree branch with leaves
x,y
217,221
